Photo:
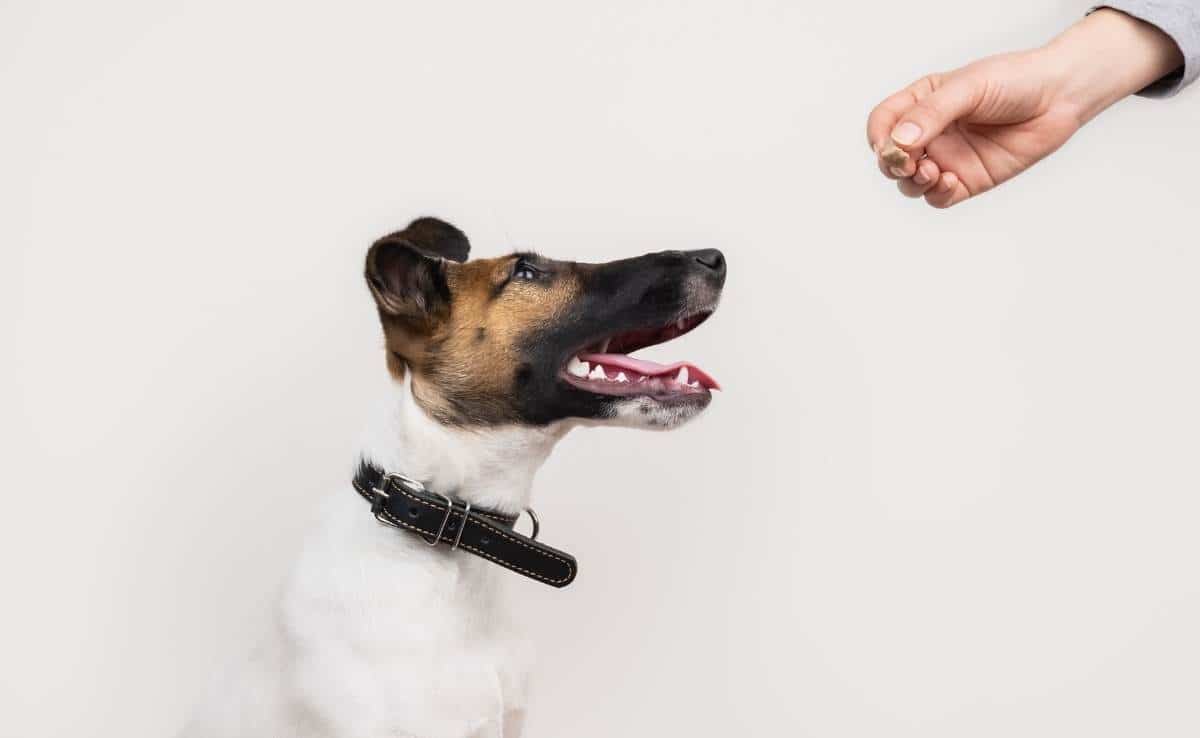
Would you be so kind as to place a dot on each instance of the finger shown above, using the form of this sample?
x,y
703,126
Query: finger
x,y
887,114
931,114
922,180
939,195
948,191
957,152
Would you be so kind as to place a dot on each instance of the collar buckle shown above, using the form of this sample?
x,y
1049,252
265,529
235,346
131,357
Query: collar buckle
x,y
381,493
414,486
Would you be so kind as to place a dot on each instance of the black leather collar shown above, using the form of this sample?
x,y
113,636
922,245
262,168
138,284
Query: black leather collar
x,y
405,504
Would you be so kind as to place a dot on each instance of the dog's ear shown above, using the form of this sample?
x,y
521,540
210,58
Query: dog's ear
x,y
406,271
407,283
407,275
435,238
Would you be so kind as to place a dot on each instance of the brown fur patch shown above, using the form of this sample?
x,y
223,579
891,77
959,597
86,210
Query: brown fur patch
x,y
466,363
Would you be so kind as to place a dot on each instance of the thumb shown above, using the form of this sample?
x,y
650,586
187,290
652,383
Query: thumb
x,y
932,114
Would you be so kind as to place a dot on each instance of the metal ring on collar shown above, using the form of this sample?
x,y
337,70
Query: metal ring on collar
x,y
537,526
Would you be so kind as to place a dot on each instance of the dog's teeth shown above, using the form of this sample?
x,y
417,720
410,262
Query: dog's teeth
x,y
577,368
694,383
621,377
597,373
682,376
681,324
604,346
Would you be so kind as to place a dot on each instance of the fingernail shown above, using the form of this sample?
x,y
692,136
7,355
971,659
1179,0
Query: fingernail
x,y
920,177
897,172
906,133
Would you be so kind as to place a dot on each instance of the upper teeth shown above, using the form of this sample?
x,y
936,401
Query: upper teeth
x,y
577,367
680,324
604,346
582,369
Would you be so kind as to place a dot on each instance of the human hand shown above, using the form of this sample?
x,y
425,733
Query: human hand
x,y
951,136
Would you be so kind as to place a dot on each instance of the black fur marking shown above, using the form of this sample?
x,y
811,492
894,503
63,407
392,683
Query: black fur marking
x,y
480,334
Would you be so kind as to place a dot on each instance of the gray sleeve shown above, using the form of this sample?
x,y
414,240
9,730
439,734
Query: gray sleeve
x,y
1179,19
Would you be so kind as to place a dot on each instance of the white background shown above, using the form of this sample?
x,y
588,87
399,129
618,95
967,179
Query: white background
x,y
951,488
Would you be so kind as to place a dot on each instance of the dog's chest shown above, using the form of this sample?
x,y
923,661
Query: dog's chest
x,y
386,634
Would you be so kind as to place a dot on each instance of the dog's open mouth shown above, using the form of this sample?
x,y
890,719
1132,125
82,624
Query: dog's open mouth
x,y
605,367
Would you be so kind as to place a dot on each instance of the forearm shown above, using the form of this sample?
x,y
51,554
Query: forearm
x,y
1179,19
1107,56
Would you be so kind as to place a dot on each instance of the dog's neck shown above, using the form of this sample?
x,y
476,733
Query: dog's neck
x,y
489,467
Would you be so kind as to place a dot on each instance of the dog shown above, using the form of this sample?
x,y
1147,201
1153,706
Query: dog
x,y
400,629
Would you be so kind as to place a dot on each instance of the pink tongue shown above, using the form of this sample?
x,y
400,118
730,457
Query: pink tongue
x,y
651,368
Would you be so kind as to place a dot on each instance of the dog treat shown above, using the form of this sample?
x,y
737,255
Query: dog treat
x,y
893,155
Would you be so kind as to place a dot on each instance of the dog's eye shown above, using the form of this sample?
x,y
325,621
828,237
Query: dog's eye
x,y
524,270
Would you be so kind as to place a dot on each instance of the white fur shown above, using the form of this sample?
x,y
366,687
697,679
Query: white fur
x,y
379,634
649,414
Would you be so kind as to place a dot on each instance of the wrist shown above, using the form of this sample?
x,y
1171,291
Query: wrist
x,y
1105,57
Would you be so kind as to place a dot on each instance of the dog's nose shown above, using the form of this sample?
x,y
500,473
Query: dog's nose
x,y
712,259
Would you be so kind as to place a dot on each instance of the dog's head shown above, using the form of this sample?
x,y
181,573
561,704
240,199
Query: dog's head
x,y
529,340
